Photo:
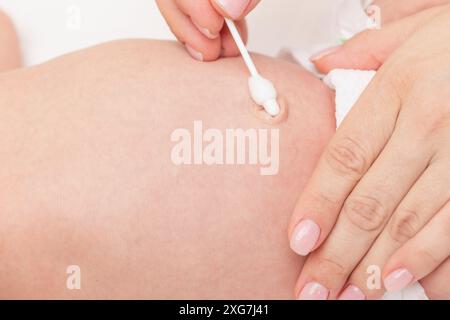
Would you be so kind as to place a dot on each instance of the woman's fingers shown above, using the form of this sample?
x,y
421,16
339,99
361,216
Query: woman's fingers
x,y
234,9
229,47
397,129
366,211
436,284
347,158
203,16
251,6
413,213
370,49
421,255
199,25
199,46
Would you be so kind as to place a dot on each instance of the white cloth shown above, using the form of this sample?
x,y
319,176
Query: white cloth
x,y
349,85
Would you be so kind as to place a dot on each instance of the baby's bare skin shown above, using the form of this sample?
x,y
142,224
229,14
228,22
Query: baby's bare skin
x,y
87,177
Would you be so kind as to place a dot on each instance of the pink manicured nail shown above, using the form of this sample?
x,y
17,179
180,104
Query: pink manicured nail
x,y
314,291
234,8
319,55
398,280
206,32
194,53
352,293
305,237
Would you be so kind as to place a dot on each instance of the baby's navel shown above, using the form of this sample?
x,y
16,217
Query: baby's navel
x,y
282,116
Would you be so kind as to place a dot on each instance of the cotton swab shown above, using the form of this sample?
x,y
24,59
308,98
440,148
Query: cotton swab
x,y
262,90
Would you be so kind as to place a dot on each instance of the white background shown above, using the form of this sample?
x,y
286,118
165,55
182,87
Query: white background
x,y
44,32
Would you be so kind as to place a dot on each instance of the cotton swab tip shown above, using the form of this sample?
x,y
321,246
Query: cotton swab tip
x,y
272,107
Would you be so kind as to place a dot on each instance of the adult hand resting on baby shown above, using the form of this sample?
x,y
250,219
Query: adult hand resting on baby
x,y
380,194
200,25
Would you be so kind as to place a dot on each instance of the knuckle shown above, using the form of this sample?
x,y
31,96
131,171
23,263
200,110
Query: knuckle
x,y
438,121
428,257
399,76
365,212
322,202
404,225
432,118
331,269
427,102
347,157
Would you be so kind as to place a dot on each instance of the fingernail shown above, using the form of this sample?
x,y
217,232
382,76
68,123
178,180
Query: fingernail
x,y
206,32
352,293
398,280
194,53
305,237
319,55
314,291
234,8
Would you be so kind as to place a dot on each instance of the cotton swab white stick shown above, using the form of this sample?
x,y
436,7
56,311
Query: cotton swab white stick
x,y
262,90
242,48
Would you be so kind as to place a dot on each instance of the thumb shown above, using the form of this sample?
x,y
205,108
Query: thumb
x,y
369,49
234,9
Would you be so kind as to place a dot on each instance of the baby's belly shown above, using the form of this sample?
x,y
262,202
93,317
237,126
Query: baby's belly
x,y
119,159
